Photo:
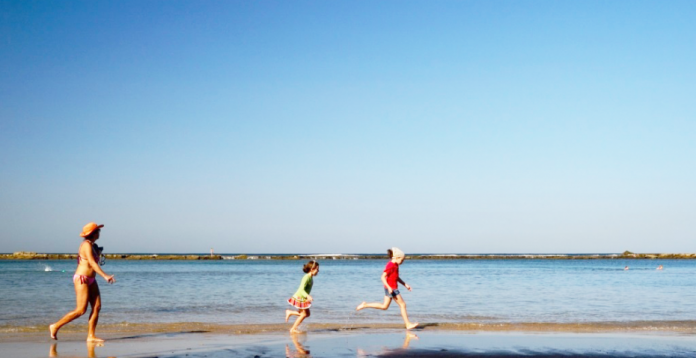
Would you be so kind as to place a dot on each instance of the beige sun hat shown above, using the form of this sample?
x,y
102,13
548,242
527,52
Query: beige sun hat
x,y
396,252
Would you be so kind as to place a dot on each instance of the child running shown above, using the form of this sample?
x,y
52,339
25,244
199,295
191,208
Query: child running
x,y
390,279
302,300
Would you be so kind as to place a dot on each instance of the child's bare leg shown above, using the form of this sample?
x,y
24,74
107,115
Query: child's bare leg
x,y
301,316
376,305
402,305
289,313
408,338
95,302
300,348
82,298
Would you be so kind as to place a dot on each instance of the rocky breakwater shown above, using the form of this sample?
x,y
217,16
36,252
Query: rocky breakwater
x,y
27,255
631,255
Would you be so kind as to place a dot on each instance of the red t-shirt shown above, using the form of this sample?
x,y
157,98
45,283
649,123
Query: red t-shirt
x,y
392,270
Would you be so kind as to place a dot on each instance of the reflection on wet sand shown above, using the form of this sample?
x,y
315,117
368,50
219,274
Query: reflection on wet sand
x,y
300,351
386,351
380,343
53,351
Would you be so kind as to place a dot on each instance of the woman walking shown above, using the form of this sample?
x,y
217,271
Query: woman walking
x,y
86,288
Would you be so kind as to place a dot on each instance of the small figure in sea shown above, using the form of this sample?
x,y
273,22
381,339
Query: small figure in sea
x,y
302,300
390,280
626,268
86,288
659,267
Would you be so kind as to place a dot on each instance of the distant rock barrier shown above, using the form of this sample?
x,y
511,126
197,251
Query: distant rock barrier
x,y
24,255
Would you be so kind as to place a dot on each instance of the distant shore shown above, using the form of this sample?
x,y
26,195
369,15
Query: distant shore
x,y
24,255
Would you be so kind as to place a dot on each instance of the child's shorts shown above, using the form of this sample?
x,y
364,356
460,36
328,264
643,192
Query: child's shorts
x,y
393,294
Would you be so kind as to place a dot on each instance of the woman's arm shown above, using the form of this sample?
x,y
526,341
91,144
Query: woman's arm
x,y
86,251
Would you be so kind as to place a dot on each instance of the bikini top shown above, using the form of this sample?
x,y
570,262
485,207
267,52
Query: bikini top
x,y
80,258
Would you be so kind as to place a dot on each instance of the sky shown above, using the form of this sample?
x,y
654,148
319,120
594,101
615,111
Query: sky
x,y
348,126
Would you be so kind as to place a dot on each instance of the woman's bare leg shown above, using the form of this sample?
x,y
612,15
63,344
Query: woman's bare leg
x,y
95,302
82,299
376,305
402,305
301,316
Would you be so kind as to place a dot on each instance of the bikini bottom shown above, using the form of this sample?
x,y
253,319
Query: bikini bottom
x,y
84,279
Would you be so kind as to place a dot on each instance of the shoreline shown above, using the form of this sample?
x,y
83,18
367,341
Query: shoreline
x,y
31,333
24,255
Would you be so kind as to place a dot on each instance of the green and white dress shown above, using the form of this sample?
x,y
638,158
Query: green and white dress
x,y
299,299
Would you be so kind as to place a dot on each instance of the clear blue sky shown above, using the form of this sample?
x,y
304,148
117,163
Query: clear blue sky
x,y
349,126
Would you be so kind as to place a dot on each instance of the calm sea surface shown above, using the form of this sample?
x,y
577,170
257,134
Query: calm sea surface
x,y
36,293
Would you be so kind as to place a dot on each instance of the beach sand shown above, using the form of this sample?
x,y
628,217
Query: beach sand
x,y
368,342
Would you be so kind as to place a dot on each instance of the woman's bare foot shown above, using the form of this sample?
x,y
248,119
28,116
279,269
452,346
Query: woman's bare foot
x,y
94,340
295,331
53,331
412,325
361,306
288,313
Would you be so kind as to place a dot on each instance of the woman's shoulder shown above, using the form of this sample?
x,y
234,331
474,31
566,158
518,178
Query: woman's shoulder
x,y
85,246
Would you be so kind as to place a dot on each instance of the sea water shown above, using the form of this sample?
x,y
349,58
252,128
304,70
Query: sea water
x,y
256,291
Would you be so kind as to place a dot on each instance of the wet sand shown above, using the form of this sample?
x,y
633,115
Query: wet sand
x,y
359,343
23,333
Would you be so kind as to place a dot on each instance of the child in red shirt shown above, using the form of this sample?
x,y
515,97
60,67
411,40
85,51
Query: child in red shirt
x,y
390,279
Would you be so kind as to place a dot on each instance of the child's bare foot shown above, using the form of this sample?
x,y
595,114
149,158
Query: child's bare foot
x,y
287,315
95,340
53,331
412,325
361,306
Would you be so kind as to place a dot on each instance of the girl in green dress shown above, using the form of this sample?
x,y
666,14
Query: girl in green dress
x,y
302,300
